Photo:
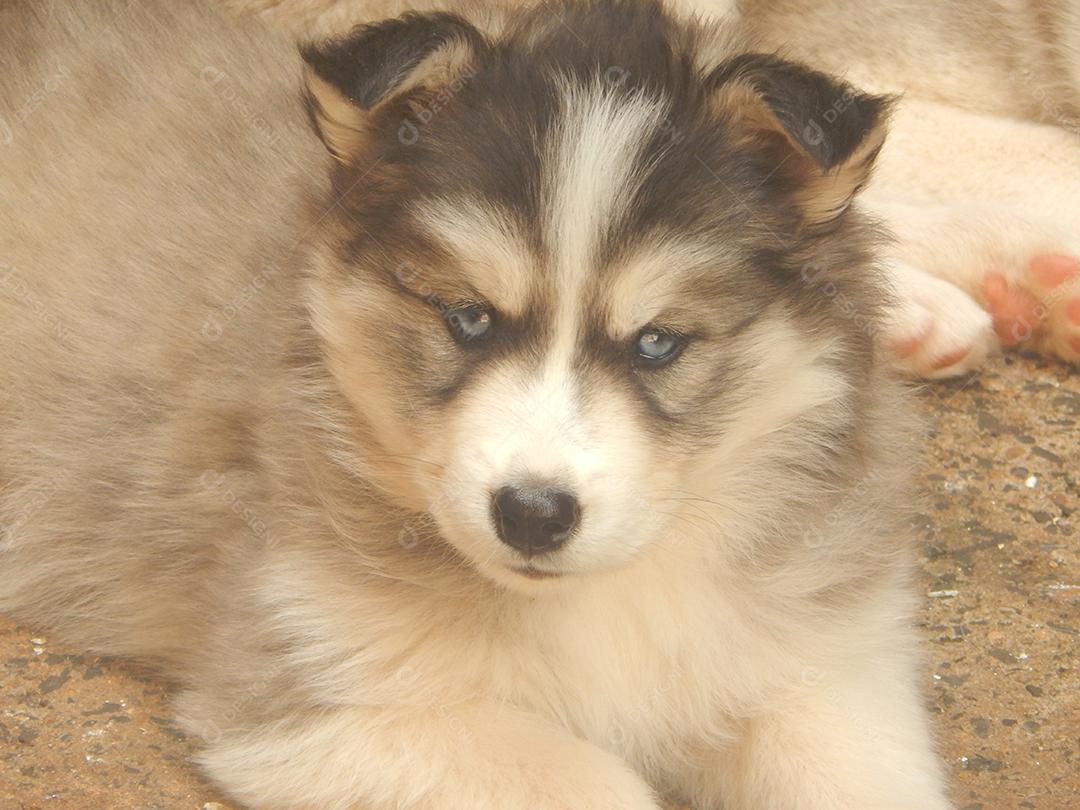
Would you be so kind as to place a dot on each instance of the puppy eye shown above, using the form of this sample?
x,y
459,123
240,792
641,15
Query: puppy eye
x,y
468,323
657,347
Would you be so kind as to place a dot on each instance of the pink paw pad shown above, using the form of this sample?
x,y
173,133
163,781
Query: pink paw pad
x,y
1072,311
906,347
952,358
1053,269
1015,311
1049,305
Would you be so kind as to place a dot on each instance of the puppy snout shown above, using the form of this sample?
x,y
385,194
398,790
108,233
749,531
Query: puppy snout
x,y
534,520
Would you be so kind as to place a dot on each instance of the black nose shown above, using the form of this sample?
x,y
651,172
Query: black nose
x,y
534,520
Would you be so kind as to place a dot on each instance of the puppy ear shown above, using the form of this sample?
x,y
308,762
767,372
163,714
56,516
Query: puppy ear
x,y
823,133
350,79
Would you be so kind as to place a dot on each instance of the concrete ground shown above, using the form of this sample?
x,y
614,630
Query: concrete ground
x,y
999,551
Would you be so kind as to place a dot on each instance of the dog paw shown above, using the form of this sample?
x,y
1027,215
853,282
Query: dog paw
x,y
1039,305
935,330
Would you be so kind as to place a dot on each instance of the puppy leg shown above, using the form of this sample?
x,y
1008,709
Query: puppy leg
x,y
852,739
940,154
426,758
1025,273
988,205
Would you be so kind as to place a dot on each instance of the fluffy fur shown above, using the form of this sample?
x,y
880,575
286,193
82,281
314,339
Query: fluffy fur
x,y
238,438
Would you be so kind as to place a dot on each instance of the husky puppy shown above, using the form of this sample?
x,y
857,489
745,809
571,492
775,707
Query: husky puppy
x,y
520,446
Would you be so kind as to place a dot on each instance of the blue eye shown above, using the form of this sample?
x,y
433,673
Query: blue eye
x,y
656,347
468,323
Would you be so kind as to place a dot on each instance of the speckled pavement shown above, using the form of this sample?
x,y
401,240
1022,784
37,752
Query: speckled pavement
x,y
1000,559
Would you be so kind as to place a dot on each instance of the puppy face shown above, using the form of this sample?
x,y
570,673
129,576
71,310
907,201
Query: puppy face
x,y
577,265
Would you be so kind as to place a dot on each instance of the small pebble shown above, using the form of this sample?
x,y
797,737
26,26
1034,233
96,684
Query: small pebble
x,y
1031,481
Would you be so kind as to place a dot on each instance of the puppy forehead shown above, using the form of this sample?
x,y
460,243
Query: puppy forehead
x,y
591,166
607,210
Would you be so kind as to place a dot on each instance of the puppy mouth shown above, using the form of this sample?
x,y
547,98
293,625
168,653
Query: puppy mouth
x,y
532,572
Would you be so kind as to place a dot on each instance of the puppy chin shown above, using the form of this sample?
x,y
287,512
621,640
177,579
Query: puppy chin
x,y
547,576
529,579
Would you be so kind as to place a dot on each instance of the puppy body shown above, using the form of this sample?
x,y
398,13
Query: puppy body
x,y
236,438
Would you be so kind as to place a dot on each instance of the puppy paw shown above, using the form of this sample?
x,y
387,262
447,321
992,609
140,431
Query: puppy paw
x,y
935,330
612,789
1037,304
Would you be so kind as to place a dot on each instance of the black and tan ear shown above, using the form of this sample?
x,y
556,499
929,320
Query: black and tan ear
x,y
350,79
822,133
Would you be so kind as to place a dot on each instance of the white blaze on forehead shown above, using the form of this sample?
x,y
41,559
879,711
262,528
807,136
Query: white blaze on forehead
x,y
592,173
534,427
489,245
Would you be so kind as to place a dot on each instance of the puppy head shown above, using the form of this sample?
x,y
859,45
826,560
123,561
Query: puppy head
x,y
578,267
